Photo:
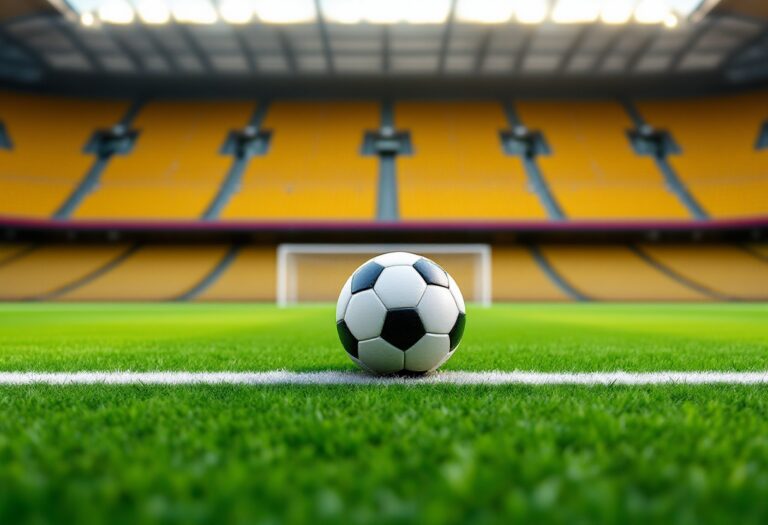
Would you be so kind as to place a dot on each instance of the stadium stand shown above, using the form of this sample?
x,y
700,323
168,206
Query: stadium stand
x,y
760,249
10,251
727,272
47,161
458,169
314,168
615,273
604,272
592,169
314,161
48,269
718,160
517,277
250,277
297,149
176,166
152,273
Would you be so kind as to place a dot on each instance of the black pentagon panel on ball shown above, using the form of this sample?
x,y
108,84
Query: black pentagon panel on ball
x,y
366,276
402,328
431,272
347,339
457,331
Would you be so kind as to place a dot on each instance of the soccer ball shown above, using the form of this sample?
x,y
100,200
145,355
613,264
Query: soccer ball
x,y
400,313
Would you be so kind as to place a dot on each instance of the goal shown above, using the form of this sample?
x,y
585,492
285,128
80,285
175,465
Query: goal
x,y
316,272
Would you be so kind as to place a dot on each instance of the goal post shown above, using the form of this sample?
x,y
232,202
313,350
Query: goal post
x,y
316,272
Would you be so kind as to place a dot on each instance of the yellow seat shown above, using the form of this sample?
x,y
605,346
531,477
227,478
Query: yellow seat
x,y
176,167
615,273
517,277
760,248
153,273
49,268
458,169
718,161
47,162
9,251
314,168
727,270
592,170
250,277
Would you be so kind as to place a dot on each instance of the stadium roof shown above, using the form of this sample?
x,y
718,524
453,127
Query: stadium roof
x,y
681,40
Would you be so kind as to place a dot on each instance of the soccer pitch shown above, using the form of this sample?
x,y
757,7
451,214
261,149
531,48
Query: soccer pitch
x,y
414,453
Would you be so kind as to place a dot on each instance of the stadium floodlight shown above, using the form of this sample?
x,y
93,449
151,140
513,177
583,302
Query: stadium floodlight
x,y
531,11
392,12
485,11
87,19
671,21
153,12
116,12
651,12
576,11
427,11
343,11
236,11
666,12
194,11
617,11
384,12
285,11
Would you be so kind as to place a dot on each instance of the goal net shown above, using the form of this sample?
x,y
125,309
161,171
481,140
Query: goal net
x,y
316,272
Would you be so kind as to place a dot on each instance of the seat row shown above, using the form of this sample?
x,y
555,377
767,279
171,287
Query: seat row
x,y
314,167
218,272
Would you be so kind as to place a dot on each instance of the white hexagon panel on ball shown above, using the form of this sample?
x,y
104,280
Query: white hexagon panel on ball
x,y
400,287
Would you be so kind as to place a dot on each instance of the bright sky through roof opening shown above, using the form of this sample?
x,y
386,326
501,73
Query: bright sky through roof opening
x,y
193,11
116,12
153,12
236,11
617,11
377,12
576,11
532,11
485,11
651,11
666,12
285,11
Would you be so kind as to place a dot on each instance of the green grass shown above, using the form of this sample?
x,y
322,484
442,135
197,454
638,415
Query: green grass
x,y
506,337
395,454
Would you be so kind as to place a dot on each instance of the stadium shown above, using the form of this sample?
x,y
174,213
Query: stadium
x,y
188,186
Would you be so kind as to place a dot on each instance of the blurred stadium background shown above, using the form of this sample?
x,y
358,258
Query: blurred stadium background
x,y
250,150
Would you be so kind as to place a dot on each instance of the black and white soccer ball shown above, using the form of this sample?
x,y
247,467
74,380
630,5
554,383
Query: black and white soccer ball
x,y
400,313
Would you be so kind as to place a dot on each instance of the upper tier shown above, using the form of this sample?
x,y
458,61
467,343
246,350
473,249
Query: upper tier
x,y
312,162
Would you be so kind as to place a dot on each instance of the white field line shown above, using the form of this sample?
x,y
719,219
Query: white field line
x,y
283,377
